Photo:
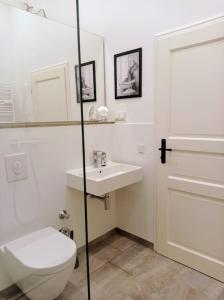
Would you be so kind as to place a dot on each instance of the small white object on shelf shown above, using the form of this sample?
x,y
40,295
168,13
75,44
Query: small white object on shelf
x,y
92,113
102,113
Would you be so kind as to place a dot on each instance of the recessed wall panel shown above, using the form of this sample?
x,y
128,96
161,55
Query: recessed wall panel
x,y
197,90
189,213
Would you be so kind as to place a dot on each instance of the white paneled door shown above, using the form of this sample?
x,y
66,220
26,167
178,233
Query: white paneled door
x,y
190,119
50,93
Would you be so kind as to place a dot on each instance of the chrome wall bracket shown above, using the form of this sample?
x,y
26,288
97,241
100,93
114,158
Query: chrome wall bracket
x,y
63,214
105,199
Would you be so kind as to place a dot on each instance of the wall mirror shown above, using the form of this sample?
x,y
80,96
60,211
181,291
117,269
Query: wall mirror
x,y
38,59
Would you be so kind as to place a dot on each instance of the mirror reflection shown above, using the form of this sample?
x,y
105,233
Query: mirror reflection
x,y
38,63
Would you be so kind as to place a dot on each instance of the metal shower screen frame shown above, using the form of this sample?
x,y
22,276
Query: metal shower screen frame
x,y
83,152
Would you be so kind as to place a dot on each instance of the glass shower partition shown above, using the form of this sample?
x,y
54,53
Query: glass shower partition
x,y
43,220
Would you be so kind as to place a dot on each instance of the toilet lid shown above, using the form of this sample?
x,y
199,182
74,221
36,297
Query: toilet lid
x,y
45,251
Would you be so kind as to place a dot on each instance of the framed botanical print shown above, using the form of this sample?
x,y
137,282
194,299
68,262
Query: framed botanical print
x,y
128,74
88,82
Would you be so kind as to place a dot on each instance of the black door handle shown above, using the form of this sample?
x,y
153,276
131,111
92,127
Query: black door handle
x,y
163,150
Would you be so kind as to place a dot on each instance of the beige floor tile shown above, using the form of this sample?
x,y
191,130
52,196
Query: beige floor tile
x,y
12,293
221,296
136,259
177,293
163,274
139,260
137,272
80,273
76,291
119,242
110,283
209,286
104,251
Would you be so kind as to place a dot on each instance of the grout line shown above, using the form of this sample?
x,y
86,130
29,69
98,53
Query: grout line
x,y
135,238
120,268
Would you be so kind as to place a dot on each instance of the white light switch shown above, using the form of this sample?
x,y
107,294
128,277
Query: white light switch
x,y
16,166
141,148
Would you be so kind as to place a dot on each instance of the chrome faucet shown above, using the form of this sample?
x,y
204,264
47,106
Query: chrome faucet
x,y
99,158
103,159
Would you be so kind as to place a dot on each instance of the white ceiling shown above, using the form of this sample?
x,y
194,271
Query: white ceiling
x,y
107,17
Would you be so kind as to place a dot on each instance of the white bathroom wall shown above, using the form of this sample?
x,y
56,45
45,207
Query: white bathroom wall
x,y
15,3
129,24
134,203
35,202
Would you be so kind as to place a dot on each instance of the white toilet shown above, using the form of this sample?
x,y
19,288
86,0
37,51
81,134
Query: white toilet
x,y
41,263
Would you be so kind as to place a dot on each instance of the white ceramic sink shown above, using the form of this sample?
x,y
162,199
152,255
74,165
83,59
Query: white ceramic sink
x,y
100,181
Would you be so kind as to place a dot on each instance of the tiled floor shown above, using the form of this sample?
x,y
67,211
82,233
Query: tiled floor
x,y
122,269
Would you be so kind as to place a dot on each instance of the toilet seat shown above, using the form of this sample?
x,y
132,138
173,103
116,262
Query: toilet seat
x,y
43,252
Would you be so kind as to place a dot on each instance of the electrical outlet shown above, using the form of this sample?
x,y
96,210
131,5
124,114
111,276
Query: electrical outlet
x,y
141,148
120,115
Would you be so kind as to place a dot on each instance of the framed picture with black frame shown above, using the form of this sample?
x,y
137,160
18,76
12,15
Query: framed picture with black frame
x,y
128,74
88,82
